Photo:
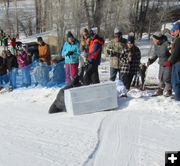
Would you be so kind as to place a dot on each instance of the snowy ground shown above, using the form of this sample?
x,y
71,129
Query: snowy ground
x,y
138,133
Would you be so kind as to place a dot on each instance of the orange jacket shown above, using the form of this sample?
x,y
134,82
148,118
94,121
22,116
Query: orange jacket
x,y
44,53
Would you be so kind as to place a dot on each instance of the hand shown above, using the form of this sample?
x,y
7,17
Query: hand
x,y
168,64
148,63
69,53
109,51
90,60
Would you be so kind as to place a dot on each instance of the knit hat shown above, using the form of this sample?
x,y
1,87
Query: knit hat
x,y
117,30
70,35
176,26
93,31
157,35
39,39
131,38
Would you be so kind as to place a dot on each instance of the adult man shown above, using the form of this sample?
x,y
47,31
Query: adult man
x,y
45,61
94,59
115,50
161,51
44,51
174,60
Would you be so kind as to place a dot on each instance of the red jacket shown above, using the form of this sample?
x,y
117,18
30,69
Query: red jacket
x,y
13,41
95,48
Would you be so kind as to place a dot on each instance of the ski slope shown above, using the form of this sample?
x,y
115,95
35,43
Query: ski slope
x,y
137,133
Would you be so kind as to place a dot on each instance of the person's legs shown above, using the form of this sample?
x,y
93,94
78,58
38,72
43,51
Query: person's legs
x,y
176,81
68,78
87,77
95,75
113,73
74,70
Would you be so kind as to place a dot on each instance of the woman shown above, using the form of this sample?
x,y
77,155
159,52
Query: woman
x,y
71,52
130,61
23,64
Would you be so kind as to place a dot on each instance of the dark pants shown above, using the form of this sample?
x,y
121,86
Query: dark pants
x,y
127,79
113,73
176,80
91,76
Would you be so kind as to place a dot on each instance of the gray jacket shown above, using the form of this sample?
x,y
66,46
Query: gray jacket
x,y
161,51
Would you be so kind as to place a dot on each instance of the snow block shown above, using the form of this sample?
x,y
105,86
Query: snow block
x,y
90,99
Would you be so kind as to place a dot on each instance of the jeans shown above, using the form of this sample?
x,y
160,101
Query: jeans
x,y
176,80
113,73
12,77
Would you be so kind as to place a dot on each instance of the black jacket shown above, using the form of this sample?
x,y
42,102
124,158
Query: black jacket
x,y
175,57
11,62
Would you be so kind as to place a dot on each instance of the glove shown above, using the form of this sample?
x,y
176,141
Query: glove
x,y
69,53
90,60
148,63
109,51
168,64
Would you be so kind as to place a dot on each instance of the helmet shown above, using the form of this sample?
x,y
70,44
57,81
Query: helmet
x,y
117,30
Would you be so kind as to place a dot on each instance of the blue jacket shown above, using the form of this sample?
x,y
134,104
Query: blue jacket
x,y
75,48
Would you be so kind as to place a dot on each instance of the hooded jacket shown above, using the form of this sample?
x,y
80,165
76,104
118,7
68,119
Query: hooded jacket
x,y
75,48
95,49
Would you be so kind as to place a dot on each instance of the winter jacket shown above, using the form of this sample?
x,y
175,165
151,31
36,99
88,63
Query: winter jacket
x,y
44,53
118,48
3,67
75,48
5,40
175,57
95,49
130,61
11,62
161,51
13,41
85,48
22,60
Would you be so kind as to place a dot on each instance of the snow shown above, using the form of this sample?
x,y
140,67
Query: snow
x,y
137,133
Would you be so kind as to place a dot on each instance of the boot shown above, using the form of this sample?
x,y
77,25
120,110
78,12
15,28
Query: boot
x,y
168,93
159,92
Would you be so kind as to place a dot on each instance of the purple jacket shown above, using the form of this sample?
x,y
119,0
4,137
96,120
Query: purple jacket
x,y
22,60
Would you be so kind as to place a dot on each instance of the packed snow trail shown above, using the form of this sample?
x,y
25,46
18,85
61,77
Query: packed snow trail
x,y
138,136
30,136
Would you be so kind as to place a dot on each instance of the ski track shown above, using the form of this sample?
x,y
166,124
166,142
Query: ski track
x,y
137,136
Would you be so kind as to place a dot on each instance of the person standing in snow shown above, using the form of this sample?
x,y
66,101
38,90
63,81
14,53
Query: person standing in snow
x,y
174,61
71,52
93,58
130,61
115,49
84,47
13,44
161,51
5,41
23,65
12,67
45,61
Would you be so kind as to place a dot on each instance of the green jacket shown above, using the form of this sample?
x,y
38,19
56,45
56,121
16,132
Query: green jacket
x,y
115,49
